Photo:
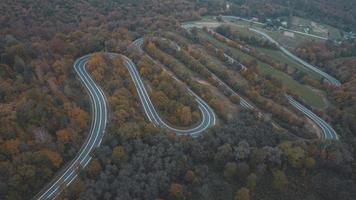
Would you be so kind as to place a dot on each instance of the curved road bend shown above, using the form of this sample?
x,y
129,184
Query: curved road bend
x,y
203,106
99,120
229,58
208,115
232,60
245,104
263,24
329,78
328,131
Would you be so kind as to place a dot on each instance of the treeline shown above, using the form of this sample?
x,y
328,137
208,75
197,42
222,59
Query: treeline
x,y
185,74
266,93
227,36
251,40
44,19
336,13
172,99
330,58
43,115
246,159
339,61
44,110
126,114
321,54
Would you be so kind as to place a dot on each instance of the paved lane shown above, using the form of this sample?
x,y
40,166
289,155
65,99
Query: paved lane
x,y
208,115
99,121
328,132
96,133
244,104
329,78
264,24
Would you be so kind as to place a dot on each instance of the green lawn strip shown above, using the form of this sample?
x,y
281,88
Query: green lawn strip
x,y
277,55
276,34
311,97
208,18
334,32
243,23
279,36
243,30
282,58
218,64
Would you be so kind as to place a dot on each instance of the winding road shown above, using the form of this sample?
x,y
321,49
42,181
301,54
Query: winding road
x,y
99,113
328,132
281,28
244,104
208,116
329,78
99,119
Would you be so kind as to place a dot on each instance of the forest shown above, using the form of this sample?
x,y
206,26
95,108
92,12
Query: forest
x,y
45,112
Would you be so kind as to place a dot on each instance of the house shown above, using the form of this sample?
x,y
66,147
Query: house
x,y
350,36
306,30
227,6
255,19
284,24
288,34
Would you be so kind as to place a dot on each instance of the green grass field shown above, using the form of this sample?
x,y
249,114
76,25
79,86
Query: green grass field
x,y
343,59
275,54
310,96
298,23
282,58
278,35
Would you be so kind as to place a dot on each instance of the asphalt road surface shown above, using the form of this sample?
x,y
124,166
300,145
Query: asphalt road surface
x,y
98,125
328,132
264,24
244,104
329,78
99,121
208,115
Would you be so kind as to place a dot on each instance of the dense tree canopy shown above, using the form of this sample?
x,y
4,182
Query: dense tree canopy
x,y
45,112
